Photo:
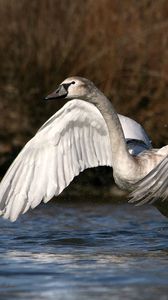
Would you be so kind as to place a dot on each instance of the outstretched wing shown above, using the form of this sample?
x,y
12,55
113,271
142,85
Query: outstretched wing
x,y
153,186
73,139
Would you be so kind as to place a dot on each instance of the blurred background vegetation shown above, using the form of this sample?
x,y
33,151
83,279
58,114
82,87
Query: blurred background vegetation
x,y
121,45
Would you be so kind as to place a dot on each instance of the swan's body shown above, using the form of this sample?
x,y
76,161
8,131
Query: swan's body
x,y
85,133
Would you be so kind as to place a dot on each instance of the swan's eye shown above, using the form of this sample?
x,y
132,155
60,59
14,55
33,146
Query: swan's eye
x,y
73,82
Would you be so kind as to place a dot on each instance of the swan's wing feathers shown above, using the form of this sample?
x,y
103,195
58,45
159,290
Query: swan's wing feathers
x,y
74,139
152,187
134,132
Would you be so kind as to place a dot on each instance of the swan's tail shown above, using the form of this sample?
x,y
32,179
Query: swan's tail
x,y
153,186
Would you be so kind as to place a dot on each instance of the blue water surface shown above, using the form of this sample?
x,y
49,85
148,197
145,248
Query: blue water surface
x,y
85,250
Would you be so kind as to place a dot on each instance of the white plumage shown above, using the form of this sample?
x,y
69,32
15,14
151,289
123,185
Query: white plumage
x,y
75,138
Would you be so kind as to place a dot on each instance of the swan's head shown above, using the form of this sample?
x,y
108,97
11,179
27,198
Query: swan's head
x,y
74,88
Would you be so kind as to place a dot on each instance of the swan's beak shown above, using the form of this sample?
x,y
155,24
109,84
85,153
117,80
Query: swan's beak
x,y
60,92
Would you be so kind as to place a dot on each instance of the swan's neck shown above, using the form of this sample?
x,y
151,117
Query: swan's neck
x,y
123,162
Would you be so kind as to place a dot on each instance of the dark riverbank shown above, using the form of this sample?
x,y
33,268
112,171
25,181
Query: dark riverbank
x,y
122,47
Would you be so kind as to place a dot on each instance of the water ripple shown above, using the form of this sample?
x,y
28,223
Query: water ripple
x,y
85,251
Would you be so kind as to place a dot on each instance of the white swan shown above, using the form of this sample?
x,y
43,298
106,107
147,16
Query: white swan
x,y
81,135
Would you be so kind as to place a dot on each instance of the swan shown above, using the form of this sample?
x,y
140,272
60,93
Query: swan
x,y
86,132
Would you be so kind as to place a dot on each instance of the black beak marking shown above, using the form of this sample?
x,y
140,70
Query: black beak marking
x,y
60,92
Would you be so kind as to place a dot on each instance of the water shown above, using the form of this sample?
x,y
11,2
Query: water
x,y
85,251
